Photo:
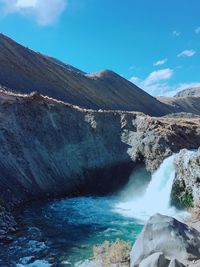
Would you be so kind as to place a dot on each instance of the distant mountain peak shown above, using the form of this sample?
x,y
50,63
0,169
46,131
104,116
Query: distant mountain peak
x,y
191,91
102,74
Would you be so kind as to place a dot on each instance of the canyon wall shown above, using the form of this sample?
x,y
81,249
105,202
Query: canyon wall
x,y
49,148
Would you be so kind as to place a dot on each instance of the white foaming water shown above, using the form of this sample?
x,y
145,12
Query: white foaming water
x,y
156,198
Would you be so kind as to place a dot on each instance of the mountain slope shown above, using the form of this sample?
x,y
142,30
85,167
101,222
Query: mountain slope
x,y
194,91
24,70
182,104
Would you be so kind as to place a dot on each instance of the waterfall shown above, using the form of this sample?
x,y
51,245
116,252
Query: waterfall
x,y
156,197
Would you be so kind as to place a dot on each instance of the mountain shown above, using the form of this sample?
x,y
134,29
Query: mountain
x,y
193,91
23,70
182,104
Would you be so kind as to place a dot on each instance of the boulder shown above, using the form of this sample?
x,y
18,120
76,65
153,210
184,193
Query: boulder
x,y
175,263
155,260
159,260
169,236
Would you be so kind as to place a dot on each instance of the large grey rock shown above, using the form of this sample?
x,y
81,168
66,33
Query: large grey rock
x,y
175,263
159,260
155,260
166,234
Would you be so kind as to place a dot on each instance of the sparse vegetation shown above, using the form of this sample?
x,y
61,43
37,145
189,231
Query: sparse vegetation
x,y
112,253
182,198
187,200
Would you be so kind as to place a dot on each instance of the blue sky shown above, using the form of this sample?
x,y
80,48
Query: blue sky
x,y
155,44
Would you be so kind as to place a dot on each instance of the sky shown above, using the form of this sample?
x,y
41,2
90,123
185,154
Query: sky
x,y
154,44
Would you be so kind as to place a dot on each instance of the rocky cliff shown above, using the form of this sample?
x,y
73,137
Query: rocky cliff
x,y
186,189
50,149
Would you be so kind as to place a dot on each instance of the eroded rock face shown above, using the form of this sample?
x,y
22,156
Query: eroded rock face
x,y
152,139
186,188
49,148
169,236
7,225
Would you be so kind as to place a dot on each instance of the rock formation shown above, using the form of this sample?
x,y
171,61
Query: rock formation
x,y
50,149
159,260
155,260
163,234
186,188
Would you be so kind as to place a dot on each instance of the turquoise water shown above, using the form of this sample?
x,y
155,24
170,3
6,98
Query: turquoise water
x,y
64,231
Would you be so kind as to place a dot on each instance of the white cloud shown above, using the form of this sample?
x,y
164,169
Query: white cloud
x,y
197,30
158,75
160,62
176,33
26,4
187,53
183,86
45,12
161,87
135,80
155,83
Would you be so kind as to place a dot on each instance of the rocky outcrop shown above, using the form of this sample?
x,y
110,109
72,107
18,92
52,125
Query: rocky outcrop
x,y
186,188
155,260
7,225
159,260
175,263
52,149
163,234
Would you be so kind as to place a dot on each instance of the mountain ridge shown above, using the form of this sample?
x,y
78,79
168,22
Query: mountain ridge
x,y
189,92
23,71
